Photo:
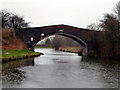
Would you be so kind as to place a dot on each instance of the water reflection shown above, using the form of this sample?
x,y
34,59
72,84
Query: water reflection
x,y
107,69
14,77
56,69
10,66
11,73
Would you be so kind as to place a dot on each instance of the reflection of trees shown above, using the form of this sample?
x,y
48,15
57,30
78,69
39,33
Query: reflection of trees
x,y
15,77
7,68
108,69
11,74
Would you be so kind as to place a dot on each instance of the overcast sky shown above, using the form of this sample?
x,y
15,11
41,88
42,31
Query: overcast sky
x,y
79,13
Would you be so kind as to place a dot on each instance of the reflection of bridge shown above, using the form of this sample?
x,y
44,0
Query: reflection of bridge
x,y
30,36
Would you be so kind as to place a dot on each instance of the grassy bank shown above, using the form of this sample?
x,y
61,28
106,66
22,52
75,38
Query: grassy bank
x,y
11,55
71,49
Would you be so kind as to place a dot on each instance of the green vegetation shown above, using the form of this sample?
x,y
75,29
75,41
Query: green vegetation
x,y
17,54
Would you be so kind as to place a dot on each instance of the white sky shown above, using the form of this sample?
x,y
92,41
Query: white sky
x,y
79,13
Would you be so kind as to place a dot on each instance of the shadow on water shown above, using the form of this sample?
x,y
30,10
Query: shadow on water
x,y
11,73
110,69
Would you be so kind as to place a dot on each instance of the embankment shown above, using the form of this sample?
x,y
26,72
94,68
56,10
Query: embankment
x,y
71,49
13,48
10,42
11,55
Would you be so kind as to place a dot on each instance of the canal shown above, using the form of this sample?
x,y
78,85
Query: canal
x,y
56,69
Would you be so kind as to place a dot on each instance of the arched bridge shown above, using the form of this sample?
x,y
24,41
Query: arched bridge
x,y
31,36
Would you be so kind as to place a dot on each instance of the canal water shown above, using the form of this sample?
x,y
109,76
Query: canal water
x,y
56,69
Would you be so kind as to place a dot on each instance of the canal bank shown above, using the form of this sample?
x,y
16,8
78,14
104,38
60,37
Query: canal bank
x,y
11,55
77,50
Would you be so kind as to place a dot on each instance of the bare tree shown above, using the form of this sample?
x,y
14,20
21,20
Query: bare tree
x,y
94,26
70,42
112,32
17,22
117,10
48,42
5,17
12,21
57,42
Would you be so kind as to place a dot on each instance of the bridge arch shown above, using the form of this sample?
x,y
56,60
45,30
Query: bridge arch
x,y
77,39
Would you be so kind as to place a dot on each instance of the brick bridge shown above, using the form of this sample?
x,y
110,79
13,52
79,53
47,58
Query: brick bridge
x,y
31,36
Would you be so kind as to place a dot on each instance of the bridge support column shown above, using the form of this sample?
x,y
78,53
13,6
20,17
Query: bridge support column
x,y
32,49
80,53
84,51
30,46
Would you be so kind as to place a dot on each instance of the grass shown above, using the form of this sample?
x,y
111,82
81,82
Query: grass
x,y
16,53
71,49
